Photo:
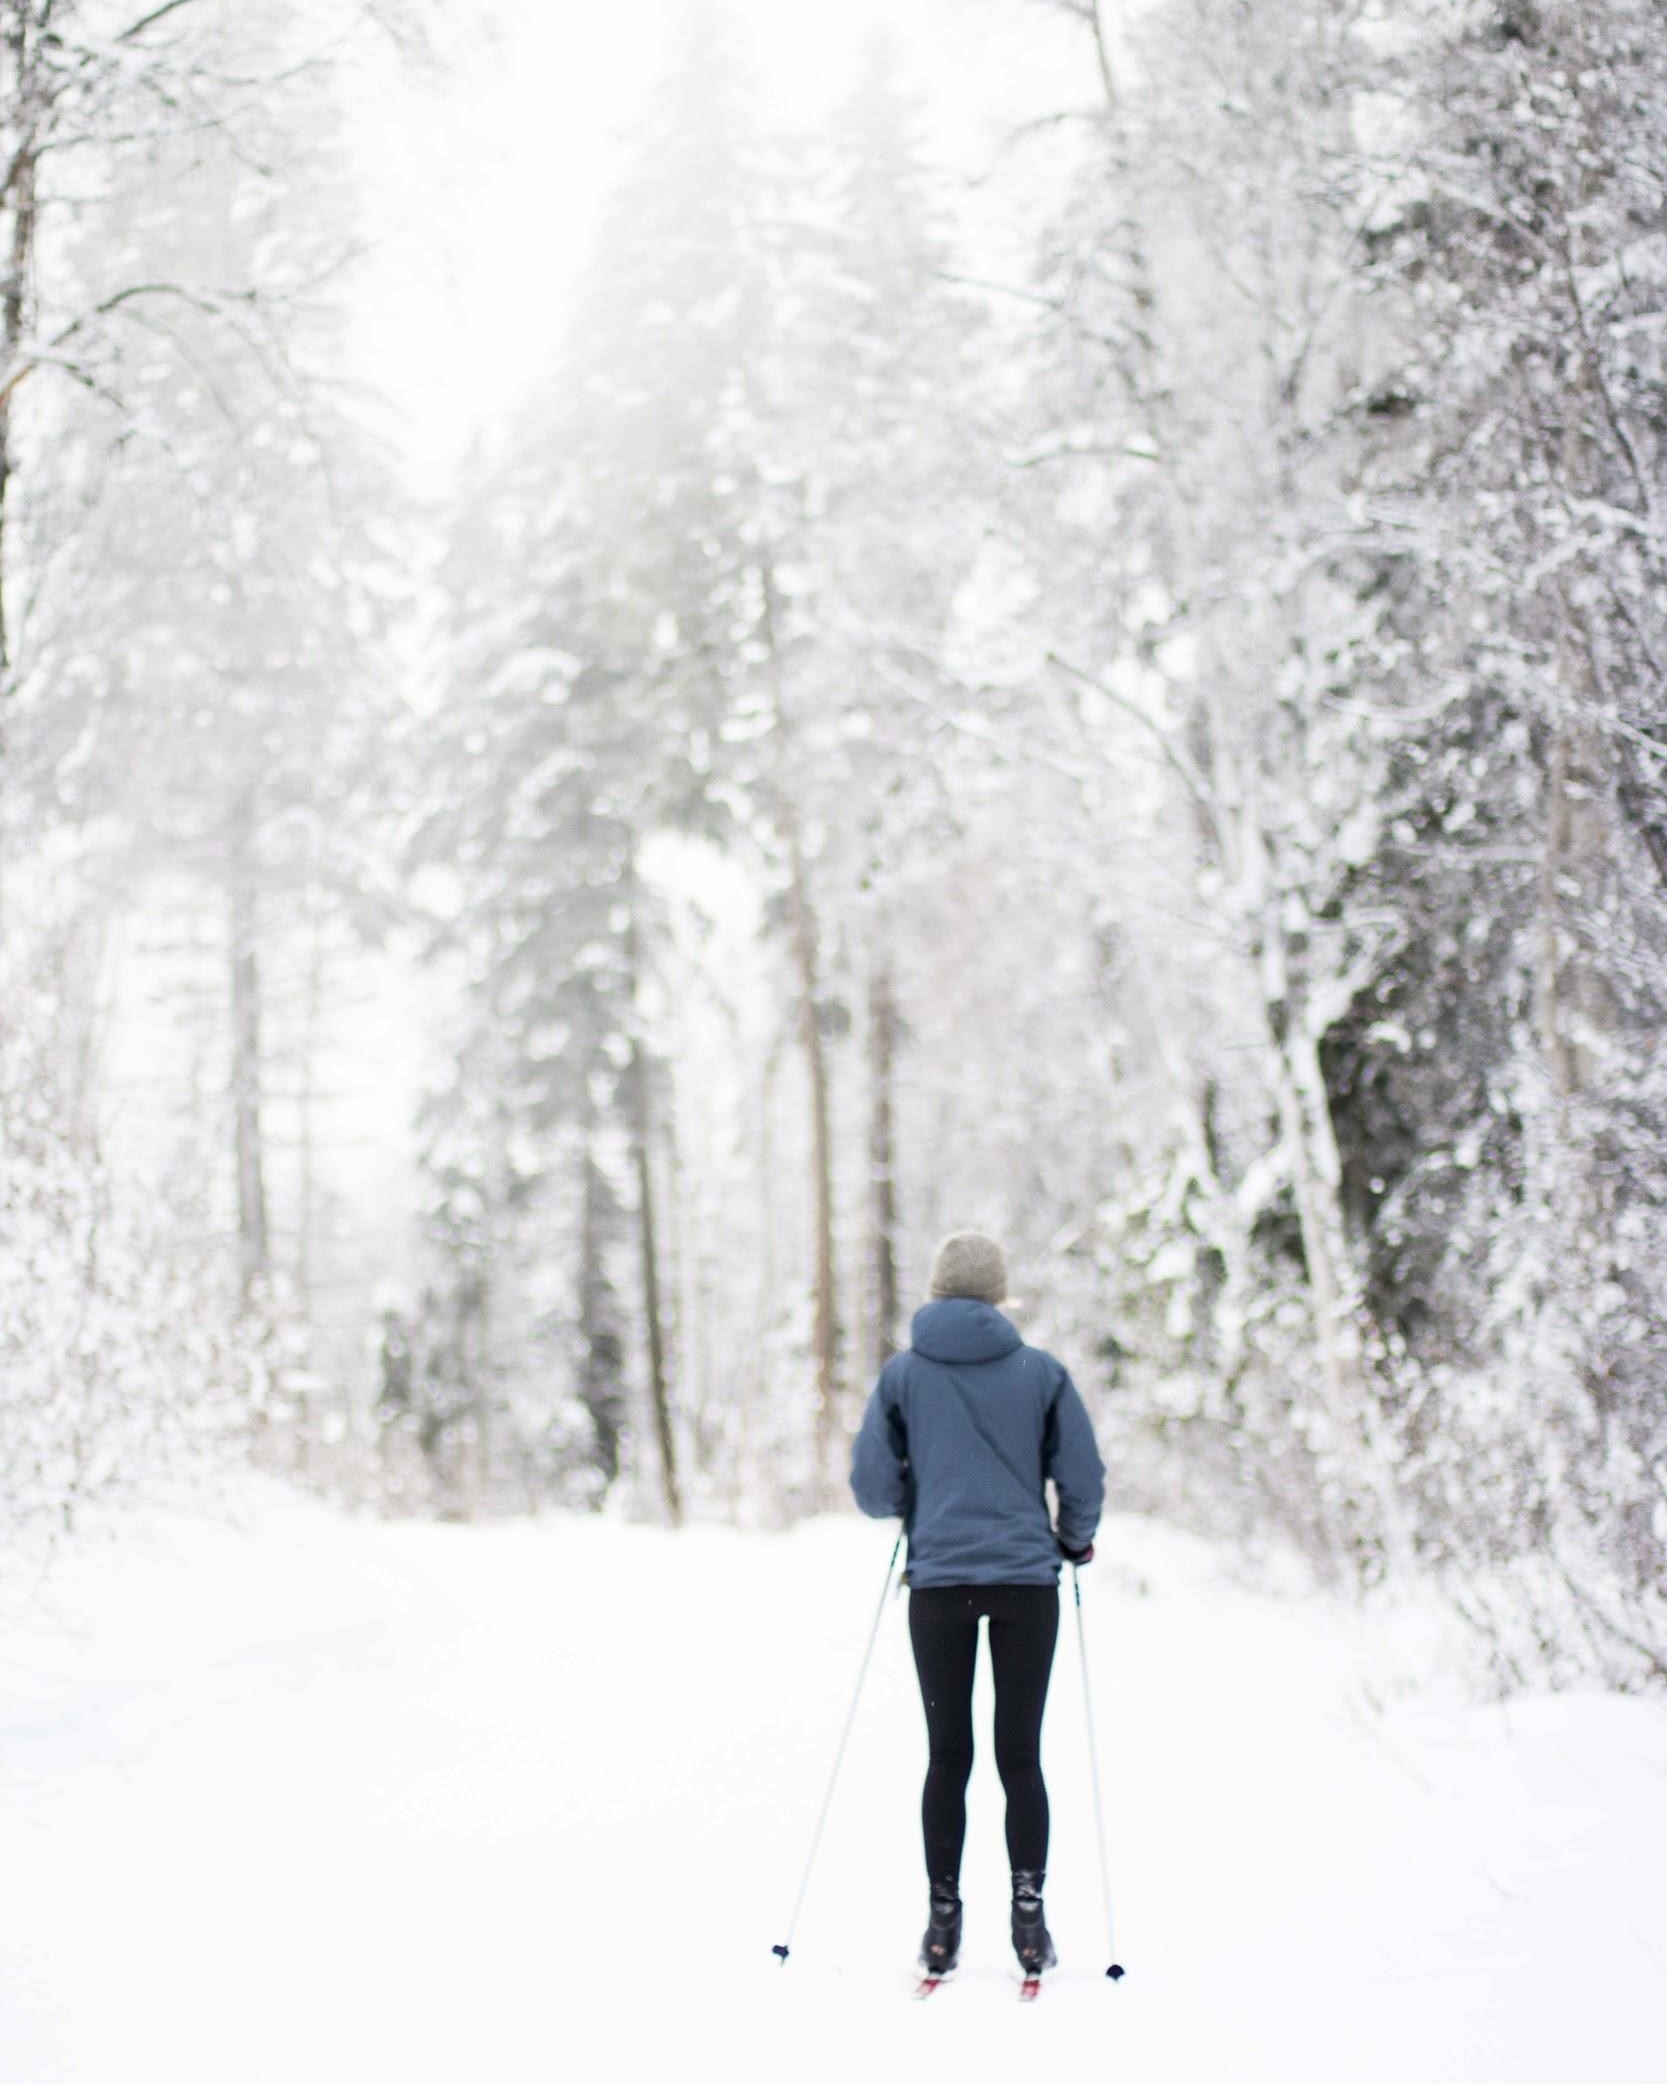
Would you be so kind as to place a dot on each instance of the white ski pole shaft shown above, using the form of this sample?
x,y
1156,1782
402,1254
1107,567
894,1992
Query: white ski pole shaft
x,y
782,1951
1114,1971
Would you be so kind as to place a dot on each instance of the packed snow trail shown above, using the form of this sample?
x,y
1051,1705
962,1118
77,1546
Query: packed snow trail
x,y
323,1802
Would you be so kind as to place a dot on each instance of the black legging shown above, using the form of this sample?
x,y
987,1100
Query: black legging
x,y
943,1627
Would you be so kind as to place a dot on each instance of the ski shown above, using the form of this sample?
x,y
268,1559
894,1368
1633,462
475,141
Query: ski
x,y
1030,1989
929,1983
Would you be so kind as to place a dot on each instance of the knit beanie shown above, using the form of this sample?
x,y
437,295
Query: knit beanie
x,y
972,1265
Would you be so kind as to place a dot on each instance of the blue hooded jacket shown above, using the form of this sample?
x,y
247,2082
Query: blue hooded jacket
x,y
960,1435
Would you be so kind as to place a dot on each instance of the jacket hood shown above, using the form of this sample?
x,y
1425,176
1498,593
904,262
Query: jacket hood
x,y
959,1330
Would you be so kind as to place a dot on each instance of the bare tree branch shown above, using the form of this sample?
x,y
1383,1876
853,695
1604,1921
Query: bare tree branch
x,y
149,21
1197,785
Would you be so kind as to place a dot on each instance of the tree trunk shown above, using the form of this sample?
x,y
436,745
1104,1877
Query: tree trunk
x,y
1574,1005
1305,1119
22,89
826,1330
306,1127
253,1240
826,1333
473,1447
641,1137
748,1477
601,1365
882,1015
1102,54
659,1398
1554,1046
690,1325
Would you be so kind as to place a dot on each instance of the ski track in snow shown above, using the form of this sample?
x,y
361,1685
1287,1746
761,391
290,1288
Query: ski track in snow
x,y
345,1802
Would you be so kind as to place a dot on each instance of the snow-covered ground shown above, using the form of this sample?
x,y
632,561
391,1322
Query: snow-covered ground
x,y
362,1804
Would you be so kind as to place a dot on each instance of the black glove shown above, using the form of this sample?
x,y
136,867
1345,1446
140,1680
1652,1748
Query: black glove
x,y
1071,1555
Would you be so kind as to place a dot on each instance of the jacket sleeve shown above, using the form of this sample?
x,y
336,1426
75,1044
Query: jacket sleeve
x,y
879,1459
1074,1467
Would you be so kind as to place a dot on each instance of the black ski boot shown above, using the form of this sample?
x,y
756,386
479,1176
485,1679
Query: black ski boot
x,y
940,1949
1031,1940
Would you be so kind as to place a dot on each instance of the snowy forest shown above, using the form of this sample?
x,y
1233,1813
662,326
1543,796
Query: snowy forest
x,y
1109,688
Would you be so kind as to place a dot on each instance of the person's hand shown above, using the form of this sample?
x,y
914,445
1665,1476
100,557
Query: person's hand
x,y
1071,1555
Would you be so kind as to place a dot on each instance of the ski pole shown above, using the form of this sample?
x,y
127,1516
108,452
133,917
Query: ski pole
x,y
782,1951
1115,1971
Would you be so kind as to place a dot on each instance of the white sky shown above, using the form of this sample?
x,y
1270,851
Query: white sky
x,y
483,177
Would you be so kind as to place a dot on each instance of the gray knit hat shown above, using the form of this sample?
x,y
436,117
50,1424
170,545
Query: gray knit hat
x,y
970,1264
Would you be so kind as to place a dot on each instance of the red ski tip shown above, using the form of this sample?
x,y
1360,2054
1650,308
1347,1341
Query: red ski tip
x,y
929,1983
1030,1989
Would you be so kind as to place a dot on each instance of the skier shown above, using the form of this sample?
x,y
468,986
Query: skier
x,y
960,1436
